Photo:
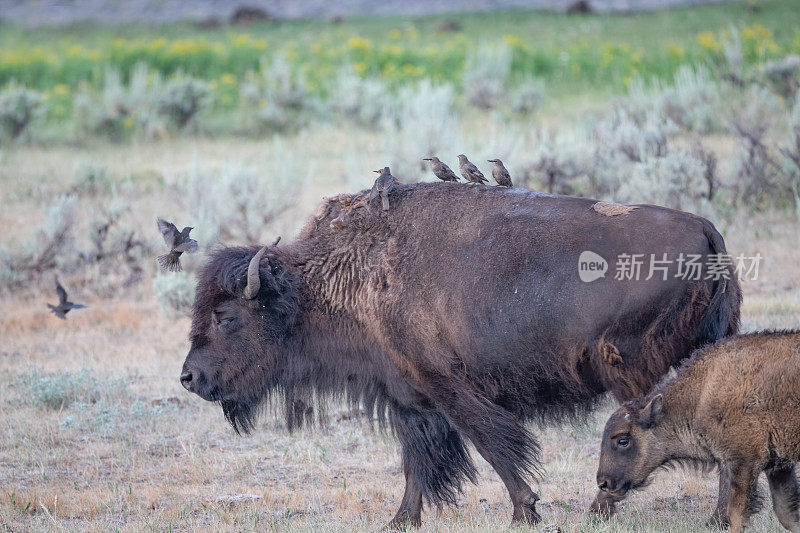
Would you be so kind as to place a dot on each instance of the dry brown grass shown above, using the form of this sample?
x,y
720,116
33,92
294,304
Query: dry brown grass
x,y
152,457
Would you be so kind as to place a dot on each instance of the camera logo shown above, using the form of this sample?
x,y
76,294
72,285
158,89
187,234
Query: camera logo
x,y
591,266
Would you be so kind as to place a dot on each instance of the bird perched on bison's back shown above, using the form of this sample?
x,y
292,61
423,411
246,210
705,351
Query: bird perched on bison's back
x,y
64,306
441,170
500,173
382,184
470,171
178,242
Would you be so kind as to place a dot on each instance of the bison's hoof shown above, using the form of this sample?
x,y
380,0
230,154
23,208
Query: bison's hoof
x,y
718,520
403,523
525,511
550,528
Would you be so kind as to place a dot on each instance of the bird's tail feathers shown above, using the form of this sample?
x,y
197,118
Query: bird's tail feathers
x,y
385,200
170,262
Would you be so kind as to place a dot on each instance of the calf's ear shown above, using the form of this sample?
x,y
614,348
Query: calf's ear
x,y
651,412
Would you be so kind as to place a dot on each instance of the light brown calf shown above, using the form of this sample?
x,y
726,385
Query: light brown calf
x,y
733,405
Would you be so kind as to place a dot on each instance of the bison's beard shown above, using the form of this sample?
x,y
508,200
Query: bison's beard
x,y
241,416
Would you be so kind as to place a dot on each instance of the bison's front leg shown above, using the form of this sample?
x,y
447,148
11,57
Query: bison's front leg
x,y
410,511
435,461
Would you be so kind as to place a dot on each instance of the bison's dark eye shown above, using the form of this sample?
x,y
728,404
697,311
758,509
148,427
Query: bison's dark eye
x,y
225,321
229,324
623,442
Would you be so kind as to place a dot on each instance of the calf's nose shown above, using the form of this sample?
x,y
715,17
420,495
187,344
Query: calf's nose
x,y
602,485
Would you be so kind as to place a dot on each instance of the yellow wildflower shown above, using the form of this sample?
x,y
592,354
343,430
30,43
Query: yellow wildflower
x,y
708,40
675,50
241,40
359,43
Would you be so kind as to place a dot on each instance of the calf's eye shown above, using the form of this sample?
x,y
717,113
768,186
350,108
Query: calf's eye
x,y
623,442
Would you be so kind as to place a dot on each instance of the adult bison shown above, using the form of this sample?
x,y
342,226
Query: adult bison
x,y
456,315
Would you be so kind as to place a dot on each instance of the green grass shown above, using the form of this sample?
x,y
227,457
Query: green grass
x,y
575,52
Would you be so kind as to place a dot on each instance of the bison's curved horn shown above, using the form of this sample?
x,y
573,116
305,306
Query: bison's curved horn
x,y
276,241
253,278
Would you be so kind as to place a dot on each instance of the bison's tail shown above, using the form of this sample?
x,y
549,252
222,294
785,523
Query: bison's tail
x,y
721,317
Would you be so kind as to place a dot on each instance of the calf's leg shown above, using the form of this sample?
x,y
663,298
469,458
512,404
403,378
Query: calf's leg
x,y
785,496
743,488
719,518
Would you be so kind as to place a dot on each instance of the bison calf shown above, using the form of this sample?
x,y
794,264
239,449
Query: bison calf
x,y
735,405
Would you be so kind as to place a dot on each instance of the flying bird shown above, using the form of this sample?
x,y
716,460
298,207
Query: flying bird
x,y
64,306
178,242
382,184
440,170
500,173
470,171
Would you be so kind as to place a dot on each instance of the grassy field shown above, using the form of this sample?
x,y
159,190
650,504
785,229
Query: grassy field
x,y
96,433
596,56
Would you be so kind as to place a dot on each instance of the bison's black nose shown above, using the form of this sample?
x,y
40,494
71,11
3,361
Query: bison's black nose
x,y
186,380
603,485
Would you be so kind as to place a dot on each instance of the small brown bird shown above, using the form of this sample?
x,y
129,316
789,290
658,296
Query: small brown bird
x,y
383,183
470,171
64,306
178,242
440,170
500,173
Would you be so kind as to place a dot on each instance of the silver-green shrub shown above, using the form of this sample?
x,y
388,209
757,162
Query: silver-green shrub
x,y
485,75
182,99
237,204
19,107
527,96
174,292
58,391
364,101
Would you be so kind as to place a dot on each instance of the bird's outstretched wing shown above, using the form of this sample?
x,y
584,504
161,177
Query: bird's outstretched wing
x,y
168,231
189,247
62,294
77,306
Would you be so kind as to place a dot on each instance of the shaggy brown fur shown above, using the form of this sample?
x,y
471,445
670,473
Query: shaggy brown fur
x,y
450,330
735,404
